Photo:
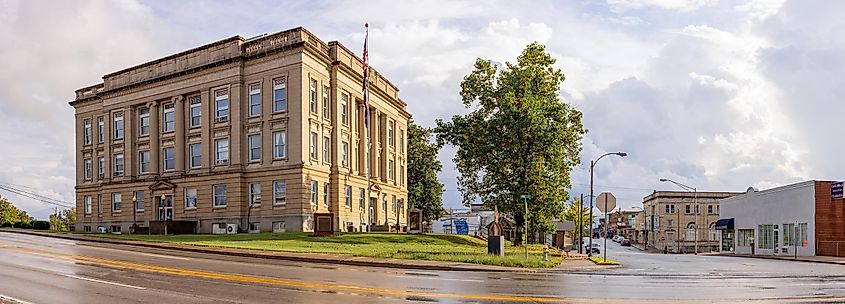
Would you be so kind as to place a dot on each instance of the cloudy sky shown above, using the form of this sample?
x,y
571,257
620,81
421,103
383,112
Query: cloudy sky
x,y
720,95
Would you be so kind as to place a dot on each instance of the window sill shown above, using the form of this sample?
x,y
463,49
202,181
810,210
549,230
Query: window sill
x,y
141,211
190,208
282,205
219,207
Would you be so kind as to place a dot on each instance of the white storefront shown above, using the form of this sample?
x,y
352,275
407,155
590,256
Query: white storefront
x,y
767,220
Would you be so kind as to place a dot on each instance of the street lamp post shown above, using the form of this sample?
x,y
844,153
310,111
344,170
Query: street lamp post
x,y
593,165
694,203
525,198
134,213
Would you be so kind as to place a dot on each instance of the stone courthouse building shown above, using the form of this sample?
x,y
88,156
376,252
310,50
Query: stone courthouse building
x,y
276,120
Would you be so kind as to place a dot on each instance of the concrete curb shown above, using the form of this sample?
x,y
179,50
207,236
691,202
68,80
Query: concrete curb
x,y
277,255
780,258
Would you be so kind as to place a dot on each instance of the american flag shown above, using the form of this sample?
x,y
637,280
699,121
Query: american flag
x,y
366,75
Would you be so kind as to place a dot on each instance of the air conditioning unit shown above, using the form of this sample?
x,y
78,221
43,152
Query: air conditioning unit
x,y
231,228
221,119
219,228
101,229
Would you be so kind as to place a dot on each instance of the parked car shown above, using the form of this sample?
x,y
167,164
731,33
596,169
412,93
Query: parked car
x,y
625,242
594,248
618,238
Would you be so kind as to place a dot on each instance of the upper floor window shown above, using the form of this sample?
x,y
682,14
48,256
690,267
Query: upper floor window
x,y
144,158
344,109
254,100
169,118
221,104
101,167
313,96
101,130
196,155
402,141
401,175
326,149
391,174
344,154
86,133
348,199
118,125
89,168
326,190
255,147
169,159
87,203
313,145
279,149
222,148
118,164
326,108
314,192
280,103
670,208
390,137
143,122
196,111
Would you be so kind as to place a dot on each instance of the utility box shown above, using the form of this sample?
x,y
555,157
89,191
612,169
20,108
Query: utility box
x,y
496,245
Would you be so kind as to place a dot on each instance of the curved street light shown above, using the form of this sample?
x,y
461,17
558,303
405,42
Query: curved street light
x,y
694,203
592,165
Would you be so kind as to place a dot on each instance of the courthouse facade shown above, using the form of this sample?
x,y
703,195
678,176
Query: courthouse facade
x,y
276,120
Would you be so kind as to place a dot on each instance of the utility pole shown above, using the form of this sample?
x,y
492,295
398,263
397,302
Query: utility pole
x,y
581,225
592,166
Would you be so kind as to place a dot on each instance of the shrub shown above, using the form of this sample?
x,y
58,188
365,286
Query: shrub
x,y
40,225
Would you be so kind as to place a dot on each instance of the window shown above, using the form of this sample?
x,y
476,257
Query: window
x,y
745,237
254,100
344,109
791,235
344,154
101,167
401,175
89,167
144,161
326,109
86,228
326,150
195,151
279,227
313,97
168,118
390,135
384,202
118,125
220,199
697,209
116,201
221,104
326,195
687,208
279,144
361,194
401,141
144,122
691,235
196,111
87,204
139,200
348,192
391,174
765,236
402,206
710,209
280,191
393,204
190,198
222,148
255,147
254,193
169,159
86,133
670,208
101,130
280,103
99,203
314,190
313,145
118,164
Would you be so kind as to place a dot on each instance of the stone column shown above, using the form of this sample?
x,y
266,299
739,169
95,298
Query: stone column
x,y
236,126
362,142
206,121
179,102
383,148
130,134
374,128
155,142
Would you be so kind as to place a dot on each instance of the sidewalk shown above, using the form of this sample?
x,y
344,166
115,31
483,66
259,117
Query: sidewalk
x,y
306,257
808,259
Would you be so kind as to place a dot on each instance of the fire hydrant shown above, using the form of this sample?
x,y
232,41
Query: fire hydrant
x,y
546,253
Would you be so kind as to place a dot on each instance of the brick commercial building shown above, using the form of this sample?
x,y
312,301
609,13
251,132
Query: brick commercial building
x,y
277,120
802,219
677,221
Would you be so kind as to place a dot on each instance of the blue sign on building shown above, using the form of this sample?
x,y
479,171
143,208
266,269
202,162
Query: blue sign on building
x,y
836,190
461,226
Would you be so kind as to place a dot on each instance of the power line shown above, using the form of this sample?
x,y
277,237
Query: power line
x,y
36,196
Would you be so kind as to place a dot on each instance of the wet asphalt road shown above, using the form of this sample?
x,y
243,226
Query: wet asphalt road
x,y
46,270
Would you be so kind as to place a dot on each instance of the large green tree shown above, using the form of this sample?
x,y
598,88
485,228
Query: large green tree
x,y
520,139
9,214
424,189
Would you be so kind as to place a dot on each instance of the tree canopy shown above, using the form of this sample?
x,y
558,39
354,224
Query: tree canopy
x,y
520,138
424,189
10,215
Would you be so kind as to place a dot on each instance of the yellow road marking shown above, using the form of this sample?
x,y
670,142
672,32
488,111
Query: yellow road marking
x,y
359,289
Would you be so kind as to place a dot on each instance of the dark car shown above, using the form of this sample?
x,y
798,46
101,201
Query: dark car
x,y
625,242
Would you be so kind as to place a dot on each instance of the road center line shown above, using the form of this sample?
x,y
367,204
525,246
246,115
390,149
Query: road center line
x,y
104,282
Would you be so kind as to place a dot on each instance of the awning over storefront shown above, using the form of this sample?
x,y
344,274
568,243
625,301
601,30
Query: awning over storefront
x,y
725,224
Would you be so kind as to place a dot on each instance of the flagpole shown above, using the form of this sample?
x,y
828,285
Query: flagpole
x,y
365,72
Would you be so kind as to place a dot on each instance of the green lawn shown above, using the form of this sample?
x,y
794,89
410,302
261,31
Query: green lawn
x,y
434,247
602,261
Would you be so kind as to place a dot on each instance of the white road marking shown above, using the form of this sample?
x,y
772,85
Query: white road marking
x,y
104,282
164,256
14,300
